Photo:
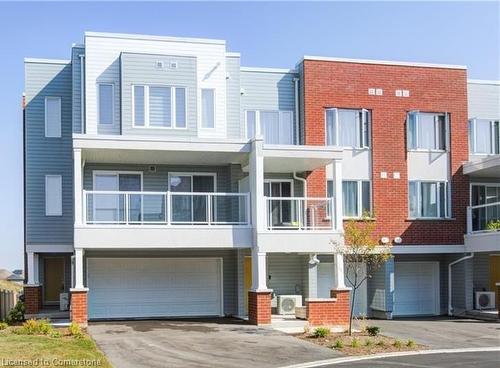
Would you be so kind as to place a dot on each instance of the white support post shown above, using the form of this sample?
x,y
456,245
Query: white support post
x,y
259,274
32,268
339,281
312,280
256,178
337,177
79,269
77,184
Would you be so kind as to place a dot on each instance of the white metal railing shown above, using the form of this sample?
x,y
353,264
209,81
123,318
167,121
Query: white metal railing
x,y
166,208
299,213
483,217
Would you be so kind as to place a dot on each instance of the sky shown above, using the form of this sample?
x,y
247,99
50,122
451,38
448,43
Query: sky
x,y
266,34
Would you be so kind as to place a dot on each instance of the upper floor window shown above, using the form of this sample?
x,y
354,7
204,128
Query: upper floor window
x,y
356,197
427,131
428,199
208,108
159,106
53,195
53,117
484,136
105,96
275,126
348,127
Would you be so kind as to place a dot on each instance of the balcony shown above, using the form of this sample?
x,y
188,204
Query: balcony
x,y
483,228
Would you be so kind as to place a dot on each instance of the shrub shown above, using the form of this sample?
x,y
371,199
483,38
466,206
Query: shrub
x,y
380,343
321,332
397,344
34,327
75,330
338,344
355,343
16,314
410,343
493,225
373,330
55,334
3,326
368,342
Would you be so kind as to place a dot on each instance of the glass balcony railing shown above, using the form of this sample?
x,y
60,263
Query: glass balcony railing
x,y
484,217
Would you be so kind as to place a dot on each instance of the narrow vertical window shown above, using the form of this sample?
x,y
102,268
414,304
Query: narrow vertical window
x,y
365,198
412,130
331,129
251,124
53,195
286,127
413,199
53,117
208,108
180,107
105,104
350,198
139,111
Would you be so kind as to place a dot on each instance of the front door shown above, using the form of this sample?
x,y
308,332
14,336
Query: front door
x,y
53,279
494,272
247,281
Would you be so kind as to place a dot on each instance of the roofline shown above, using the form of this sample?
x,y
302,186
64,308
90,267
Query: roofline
x,y
382,62
133,36
267,70
46,61
78,45
233,54
484,81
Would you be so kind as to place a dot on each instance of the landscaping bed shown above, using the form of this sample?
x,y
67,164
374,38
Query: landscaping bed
x,y
360,343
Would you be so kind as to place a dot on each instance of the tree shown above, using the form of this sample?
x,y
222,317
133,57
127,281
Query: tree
x,y
361,248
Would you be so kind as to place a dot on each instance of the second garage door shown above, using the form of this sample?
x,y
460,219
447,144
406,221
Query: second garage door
x,y
154,287
416,288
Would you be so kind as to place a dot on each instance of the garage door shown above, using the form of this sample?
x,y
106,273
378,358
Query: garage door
x,y
416,288
154,287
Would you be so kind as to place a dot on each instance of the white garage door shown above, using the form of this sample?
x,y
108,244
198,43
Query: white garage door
x,y
416,288
154,287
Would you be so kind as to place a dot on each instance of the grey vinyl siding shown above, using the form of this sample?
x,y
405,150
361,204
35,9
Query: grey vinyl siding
x,y
481,263
48,156
141,69
76,88
267,91
376,290
286,274
67,270
233,98
483,100
230,274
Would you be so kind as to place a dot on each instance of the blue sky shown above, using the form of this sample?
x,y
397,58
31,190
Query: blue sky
x,y
266,34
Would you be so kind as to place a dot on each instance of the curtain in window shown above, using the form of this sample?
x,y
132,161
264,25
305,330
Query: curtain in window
x,y
269,126
483,136
348,121
160,106
105,104
350,198
207,108
413,199
286,127
331,134
429,200
426,132
139,117
251,124
180,107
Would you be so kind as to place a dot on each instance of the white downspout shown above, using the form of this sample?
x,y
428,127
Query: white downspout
x,y
450,307
304,182
297,120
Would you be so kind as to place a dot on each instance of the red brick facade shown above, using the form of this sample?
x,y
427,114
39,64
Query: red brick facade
x,y
345,85
328,312
79,307
259,307
32,299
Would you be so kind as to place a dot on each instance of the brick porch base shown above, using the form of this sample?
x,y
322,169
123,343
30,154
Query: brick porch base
x,y
329,311
79,306
32,298
259,307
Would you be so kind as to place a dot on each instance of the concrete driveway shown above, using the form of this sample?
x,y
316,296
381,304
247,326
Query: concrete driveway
x,y
442,332
201,343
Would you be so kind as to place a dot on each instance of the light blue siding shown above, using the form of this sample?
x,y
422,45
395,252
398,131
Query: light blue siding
x,y
76,88
234,127
483,100
48,156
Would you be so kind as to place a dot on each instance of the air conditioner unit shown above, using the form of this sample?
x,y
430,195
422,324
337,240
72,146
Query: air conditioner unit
x,y
63,301
485,300
287,303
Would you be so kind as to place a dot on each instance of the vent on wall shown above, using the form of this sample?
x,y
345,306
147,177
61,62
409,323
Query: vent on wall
x,y
152,169
173,65
159,64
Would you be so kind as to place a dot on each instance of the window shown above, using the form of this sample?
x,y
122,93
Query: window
x,y
159,106
53,117
280,211
356,197
53,195
348,127
106,103
427,131
428,199
484,136
276,127
482,194
208,108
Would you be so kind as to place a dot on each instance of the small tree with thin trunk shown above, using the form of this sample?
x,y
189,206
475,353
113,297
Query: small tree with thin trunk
x,y
361,249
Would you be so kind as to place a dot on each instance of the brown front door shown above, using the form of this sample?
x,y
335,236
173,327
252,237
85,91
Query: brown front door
x,y
494,272
53,279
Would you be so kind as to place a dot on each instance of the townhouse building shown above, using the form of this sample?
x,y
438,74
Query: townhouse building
x,y
163,179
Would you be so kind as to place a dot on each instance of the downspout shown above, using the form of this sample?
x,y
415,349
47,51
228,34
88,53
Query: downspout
x,y
304,182
297,119
450,307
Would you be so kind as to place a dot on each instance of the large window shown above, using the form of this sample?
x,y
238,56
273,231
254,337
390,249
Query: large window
x,y
348,128
159,106
275,126
356,197
280,210
427,131
105,103
53,117
428,199
208,108
484,136
483,194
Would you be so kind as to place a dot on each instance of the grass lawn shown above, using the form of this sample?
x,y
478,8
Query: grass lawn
x,y
49,349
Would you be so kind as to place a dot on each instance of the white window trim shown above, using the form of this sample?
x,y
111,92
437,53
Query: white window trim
x,y
472,140
191,174
115,172
447,206
60,210
292,193
436,127
173,117
359,183
359,132
480,184
200,126
258,129
60,116
113,122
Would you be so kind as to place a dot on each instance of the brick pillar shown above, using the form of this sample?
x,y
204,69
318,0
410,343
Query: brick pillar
x,y
32,298
259,307
79,306
342,305
332,311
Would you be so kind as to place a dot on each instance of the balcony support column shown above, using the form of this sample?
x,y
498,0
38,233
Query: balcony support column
x,y
256,178
78,277
337,187
77,185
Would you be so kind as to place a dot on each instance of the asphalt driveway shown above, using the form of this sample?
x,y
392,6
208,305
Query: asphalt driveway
x,y
201,343
442,332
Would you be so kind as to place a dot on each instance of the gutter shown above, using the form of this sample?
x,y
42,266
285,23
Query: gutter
x,y
450,306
